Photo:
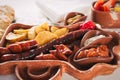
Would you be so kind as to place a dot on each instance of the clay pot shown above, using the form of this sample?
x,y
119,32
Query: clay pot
x,y
107,19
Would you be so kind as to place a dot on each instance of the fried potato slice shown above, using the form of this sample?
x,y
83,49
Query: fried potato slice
x,y
12,37
20,31
44,37
61,31
53,29
31,33
43,27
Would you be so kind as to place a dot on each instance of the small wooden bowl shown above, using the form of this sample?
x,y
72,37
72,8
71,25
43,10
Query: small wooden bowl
x,y
93,60
10,28
72,14
92,33
107,19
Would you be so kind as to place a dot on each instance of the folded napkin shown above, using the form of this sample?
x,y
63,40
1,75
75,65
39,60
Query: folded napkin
x,y
55,9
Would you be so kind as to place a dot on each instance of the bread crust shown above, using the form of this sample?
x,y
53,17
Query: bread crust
x,y
7,15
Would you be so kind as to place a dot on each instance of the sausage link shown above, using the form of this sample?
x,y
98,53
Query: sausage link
x,y
4,51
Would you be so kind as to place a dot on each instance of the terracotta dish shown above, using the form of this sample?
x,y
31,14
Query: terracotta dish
x,y
93,33
73,14
53,69
92,60
107,19
10,28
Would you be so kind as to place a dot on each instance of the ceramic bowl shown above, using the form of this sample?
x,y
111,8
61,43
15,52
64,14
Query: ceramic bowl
x,y
53,69
107,19
92,60
73,14
93,33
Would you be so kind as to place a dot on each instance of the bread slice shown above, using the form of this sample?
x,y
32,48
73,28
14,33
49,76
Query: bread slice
x,y
7,15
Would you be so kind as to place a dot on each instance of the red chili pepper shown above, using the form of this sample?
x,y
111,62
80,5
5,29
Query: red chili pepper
x,y
98,4
110,3
87,25
104,6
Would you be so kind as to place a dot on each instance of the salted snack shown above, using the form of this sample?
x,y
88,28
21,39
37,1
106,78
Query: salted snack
x,y
106,13
7,15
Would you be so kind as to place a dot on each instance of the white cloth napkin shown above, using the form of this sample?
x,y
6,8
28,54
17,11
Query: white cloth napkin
x,y
55,9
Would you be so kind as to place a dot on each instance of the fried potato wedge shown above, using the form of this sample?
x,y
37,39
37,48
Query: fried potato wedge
x,y
31,33
44,37
43,27
20,31
61,31
53,29
12,37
